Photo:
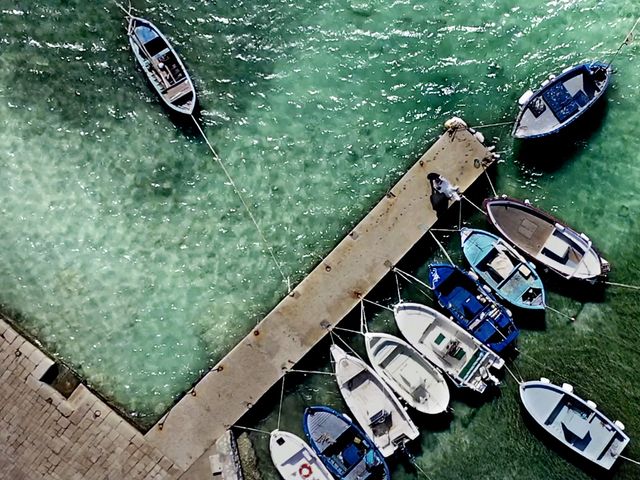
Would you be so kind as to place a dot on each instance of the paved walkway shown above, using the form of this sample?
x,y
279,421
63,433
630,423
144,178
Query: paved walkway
x,y
45,436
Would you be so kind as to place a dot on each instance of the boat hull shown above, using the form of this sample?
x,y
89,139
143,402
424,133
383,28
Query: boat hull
x,y
411,376
500,266
434,335
561,100
472,307
333,436
294,459
373,404
546,239
574,423
162,66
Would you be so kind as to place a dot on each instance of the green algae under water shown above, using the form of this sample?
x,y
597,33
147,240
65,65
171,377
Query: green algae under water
x,y
127,254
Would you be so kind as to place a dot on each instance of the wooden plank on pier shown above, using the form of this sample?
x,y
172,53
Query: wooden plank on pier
x,y
323,298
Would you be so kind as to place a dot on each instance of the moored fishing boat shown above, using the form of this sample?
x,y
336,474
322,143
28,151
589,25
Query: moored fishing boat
x,y
162,65
473,307
561,100
294,459
546,239
346,451
373,403
501,267
448,346
574,422
407,372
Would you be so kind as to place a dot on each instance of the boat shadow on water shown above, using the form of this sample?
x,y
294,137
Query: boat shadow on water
x,y
579,290
550,153
589,468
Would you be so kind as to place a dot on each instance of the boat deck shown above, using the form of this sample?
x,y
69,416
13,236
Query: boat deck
x,y
323,298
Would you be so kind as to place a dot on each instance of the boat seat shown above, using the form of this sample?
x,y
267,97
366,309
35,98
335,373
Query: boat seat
x,y
501,265
557,249
560,102
379,418
351,455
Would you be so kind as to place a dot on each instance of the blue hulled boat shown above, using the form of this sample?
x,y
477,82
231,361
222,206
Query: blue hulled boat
x,y
501,267
472,307
342,446
561,100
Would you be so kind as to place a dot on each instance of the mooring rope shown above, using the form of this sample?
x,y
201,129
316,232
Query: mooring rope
x,y
377,304
348,330
500,124
249,429
441,248
395,275
244,203
476,207
573,319
636,462
624,285
495,194
557,374
409,277
627,40
363,319
513,375
281,400
319,372
419,468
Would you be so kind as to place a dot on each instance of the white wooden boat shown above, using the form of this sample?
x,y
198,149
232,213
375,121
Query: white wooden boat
x,y
546,239
407,372
575,423
162,65
373,404
448,346
294,459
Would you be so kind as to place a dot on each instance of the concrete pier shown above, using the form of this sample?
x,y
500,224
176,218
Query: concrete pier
x,y
323,298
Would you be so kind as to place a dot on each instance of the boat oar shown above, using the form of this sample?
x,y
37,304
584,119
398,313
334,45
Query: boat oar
x,y
627,40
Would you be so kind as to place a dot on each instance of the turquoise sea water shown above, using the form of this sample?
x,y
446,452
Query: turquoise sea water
x,y
128,255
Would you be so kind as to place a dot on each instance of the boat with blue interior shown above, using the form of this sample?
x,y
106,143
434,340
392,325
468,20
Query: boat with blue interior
x,y
472,306
561,100
576,423
500,266
342,446
162,65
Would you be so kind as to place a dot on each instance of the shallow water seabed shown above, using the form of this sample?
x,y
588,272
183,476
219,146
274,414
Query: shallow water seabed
x,y
127,254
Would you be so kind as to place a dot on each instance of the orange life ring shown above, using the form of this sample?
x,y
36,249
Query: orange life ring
x,y
305,470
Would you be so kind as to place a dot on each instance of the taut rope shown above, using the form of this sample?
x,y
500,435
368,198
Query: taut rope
x,y
244,203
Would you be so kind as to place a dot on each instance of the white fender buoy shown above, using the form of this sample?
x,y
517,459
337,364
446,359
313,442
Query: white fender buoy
x,y
473,275
567,387
592,404
525,97
486,288
545,380
619,424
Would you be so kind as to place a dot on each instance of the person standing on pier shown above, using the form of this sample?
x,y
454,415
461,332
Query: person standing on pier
x,y
441,192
